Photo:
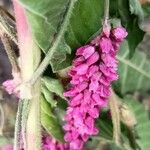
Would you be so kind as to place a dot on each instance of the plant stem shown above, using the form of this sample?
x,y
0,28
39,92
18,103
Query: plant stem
x,y
10,52
2,119
29,60
106,14
114,109
6,25
17,134
56,43
25,113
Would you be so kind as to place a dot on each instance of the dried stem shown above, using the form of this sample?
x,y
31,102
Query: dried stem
x,y
2,119
115,113
7,25
10,52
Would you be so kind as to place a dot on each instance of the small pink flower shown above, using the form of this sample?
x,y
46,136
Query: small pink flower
x,y
7,147
92,59
81,69
85,51
119,33
49,143
105,45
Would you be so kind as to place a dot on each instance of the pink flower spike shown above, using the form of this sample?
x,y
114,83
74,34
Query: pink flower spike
x,y
90,87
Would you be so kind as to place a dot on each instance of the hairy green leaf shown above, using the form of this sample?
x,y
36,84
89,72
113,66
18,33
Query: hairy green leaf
x,y
49,121
135,8
53,85
146,9
131,22
49,96
134,74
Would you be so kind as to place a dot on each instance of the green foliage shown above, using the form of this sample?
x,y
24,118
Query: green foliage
x,y
46,22
85,21
53,85
146,9
49,121
143,123
131,21
136,9
134,74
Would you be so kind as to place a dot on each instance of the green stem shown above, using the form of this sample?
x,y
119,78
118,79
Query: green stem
x,y
25,113
2,119
106,13
55,45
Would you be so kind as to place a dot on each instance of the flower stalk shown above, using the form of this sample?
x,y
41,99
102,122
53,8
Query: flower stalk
x,y
30,106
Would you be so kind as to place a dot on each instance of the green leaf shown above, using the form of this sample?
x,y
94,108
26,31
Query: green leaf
x,y
136,9
134,74
143,123
47,18
49,96
53,85
50,122
46,107
146,9
131,22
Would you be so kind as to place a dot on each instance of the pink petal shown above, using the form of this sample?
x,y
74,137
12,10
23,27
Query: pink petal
x,y
92,59
94,112
119,33
78,61
92,70
81,69
85,51
105,45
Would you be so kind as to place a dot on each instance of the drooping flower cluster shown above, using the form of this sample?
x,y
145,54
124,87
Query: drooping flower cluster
x,y
49,143
94,68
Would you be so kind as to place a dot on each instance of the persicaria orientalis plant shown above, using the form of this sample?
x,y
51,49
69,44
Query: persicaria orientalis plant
x,y
61,112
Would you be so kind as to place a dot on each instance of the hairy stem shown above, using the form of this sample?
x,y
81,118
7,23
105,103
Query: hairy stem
x,y
7,25
114,109
17,134
10,52
29,60
56,43
2,120
25,113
